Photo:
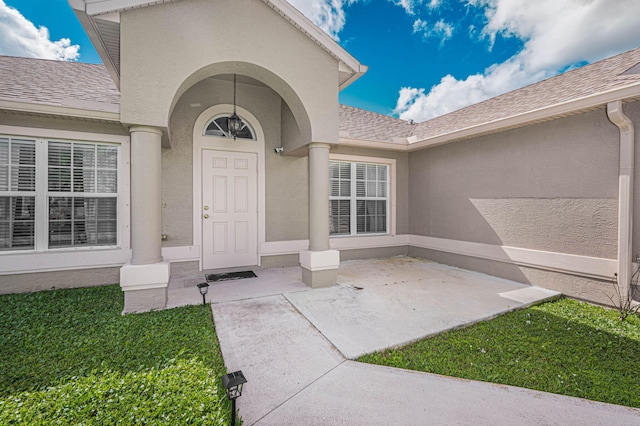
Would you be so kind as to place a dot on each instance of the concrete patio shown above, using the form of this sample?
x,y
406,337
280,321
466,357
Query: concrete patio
x,y
295,345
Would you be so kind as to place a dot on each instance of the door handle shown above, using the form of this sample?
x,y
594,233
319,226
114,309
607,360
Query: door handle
x,y
206,216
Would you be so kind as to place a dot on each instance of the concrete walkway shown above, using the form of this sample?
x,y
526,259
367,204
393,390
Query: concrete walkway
x,y
295,346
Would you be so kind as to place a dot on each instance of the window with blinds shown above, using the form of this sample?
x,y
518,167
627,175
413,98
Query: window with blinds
x,y
358,198
68,198
82,201
17,193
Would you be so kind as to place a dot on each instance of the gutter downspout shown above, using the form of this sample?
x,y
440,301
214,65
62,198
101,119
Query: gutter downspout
x,y
625,194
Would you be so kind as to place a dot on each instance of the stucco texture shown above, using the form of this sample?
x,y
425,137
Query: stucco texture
x,y
166,48
550,186
286,187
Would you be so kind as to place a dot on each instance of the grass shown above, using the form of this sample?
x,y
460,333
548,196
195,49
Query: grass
x,y
565,347
70,357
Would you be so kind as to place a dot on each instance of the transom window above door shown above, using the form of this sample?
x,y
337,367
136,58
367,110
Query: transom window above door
x,y
218,126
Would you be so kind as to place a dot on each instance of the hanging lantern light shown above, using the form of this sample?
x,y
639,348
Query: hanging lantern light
x,y
234,122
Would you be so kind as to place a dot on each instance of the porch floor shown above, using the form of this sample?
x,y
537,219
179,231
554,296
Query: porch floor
x,y
295,345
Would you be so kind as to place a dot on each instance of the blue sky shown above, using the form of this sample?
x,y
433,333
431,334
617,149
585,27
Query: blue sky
x,y
425,57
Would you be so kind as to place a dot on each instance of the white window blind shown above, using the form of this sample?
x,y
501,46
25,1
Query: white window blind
x,y
358,199
82,201
17,194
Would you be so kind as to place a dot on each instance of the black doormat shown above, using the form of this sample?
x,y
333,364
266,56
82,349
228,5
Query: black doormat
x,y
227,276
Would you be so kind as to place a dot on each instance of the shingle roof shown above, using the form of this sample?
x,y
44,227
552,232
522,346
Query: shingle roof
x,y
588,80
89,86
67,84
366,125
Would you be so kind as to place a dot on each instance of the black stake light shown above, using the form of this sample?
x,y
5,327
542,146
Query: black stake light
x,y
203,287
233,382
234,123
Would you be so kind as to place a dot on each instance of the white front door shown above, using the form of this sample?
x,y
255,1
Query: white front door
x,y
229,209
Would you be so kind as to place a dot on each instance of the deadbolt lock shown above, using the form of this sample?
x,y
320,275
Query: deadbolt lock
x,y
206,207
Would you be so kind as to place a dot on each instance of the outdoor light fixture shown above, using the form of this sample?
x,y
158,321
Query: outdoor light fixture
x,y
234,123
233,382
203,287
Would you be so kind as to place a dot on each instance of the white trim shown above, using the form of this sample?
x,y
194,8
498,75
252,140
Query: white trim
x,y
320,260
275,248
44,259
585,266
181,253
391,162
368,242
21,263
202,142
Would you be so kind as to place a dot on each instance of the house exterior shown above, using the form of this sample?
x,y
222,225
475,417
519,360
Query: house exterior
x,y
127,171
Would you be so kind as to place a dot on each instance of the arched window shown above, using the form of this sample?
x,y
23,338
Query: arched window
x,y
218,127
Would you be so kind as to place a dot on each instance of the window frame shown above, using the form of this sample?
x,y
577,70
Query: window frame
x,y
228,135
42,194
391,194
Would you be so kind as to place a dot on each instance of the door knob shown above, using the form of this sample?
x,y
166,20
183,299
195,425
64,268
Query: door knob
x,y
206,216
206,207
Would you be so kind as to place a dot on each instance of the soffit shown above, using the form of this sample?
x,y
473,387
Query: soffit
x,y
102,23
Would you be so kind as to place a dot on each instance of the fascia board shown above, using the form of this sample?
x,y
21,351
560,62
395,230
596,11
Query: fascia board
x,y
59,110
363,143
99,7
538,115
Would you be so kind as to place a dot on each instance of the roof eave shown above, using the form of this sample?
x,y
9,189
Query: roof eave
x,y
88,23
575,106
61,111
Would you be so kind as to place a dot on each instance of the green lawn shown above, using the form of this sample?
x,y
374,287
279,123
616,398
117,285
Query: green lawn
x,y
565,347
69,357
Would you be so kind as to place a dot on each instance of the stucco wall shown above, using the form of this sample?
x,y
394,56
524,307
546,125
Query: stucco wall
x,y
286,206
550,186
24,283
166,45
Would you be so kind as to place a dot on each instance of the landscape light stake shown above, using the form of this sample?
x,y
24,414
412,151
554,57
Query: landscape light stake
x,y
233,382
203,287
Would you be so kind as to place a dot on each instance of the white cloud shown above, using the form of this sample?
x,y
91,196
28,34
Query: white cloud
x,y
440,29
19,37
556,34
409,6
329,15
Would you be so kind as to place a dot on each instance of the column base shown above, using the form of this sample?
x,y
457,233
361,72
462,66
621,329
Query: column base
x,y
145,286
320,268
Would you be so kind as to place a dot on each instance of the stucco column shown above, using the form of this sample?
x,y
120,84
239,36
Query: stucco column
x,y
146,195
319,263
145,279
318,196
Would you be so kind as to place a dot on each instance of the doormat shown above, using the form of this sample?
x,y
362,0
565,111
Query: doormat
x,y
227,276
